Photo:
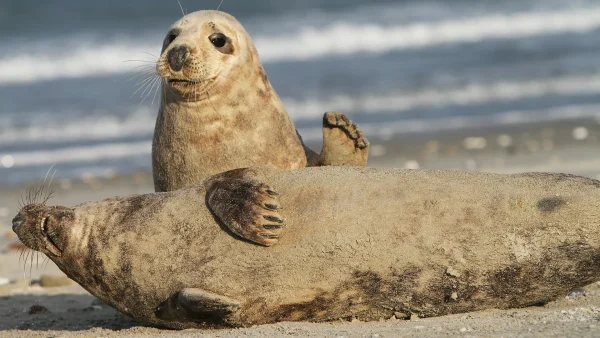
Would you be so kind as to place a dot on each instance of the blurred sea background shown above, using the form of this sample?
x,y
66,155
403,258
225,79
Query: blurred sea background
x,y
500,86
473,82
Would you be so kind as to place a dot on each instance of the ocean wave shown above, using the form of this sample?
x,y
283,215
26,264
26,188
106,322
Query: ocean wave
x,y
77,154
338,38
471,94
140,122
112,151
509,118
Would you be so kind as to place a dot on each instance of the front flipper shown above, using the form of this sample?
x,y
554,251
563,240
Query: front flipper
x,y
197,305
246,205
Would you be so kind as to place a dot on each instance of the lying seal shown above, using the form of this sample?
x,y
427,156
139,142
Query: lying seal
x,y
219,111
361,243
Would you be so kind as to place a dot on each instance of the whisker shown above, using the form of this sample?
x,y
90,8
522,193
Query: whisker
x,y
181,7
149,89
154,56
147,72
158,85
149,78
220,4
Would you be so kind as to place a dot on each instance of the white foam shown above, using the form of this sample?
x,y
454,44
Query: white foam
x,y
140,122
338,38
83,61
95,153
475,93
104,127
508,118
81,154
343,38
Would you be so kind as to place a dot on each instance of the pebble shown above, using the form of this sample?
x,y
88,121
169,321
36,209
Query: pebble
x,y
475,143
98,302
20,284
580,133
4,281
377,150
48,281
452,272
37,309
414,165
504,141
93,308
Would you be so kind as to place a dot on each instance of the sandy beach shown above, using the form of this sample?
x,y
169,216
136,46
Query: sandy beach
x,y
37,300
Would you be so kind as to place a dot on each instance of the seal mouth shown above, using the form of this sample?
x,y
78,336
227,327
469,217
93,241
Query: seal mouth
x,y
182,83
50,244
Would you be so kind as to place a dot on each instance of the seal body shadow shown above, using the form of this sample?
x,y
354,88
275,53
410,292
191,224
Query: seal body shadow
x,y
361,243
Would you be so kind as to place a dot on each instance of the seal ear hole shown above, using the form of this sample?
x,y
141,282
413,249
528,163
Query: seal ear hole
x,y
171,37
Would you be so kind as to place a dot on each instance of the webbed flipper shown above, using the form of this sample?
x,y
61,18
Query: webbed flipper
x,y
344,144
198,305
245,205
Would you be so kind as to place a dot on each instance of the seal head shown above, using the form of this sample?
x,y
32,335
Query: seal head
x,y
43,228
204,53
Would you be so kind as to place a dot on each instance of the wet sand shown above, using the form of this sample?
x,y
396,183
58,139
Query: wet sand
x,y
30,307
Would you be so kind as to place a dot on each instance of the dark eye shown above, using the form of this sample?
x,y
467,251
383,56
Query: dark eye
x,y
218,40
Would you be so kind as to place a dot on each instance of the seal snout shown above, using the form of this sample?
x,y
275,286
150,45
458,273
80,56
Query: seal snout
x,y
177,57
17,221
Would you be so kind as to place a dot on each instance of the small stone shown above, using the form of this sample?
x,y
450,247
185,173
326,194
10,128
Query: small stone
x,y
4,281
450,271
414,317
464,329
17,285
98,302
37,309
93,308
377,150
48,281
413,165
454,296
580,133
400,315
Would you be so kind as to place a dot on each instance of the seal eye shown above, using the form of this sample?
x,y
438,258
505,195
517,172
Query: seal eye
x,y
218,40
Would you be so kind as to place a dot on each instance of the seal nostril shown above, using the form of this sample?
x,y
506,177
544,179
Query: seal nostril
x,y
17,221
177,56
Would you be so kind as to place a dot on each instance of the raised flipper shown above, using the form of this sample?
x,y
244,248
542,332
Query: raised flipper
x,y
245,205
344,144
198,306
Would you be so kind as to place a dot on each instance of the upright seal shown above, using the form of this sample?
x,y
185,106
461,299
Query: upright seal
x,y
219,111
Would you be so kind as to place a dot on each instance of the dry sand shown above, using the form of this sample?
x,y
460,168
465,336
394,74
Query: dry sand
x,y
69,311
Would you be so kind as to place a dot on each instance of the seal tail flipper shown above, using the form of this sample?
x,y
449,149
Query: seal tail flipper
x,y
245,205
199,306
344,144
